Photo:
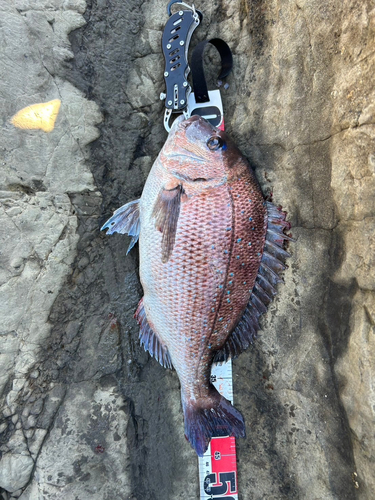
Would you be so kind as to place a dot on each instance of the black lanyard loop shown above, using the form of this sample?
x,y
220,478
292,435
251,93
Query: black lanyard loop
x,y
197,71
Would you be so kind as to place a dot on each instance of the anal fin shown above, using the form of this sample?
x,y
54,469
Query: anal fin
x,y
271,266
125,220
150,340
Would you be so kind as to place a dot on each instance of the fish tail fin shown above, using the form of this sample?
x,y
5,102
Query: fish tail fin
x,y
208,417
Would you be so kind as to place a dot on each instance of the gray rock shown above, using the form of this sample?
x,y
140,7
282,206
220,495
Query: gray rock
x,y
38,238
79,397
86,456
15,471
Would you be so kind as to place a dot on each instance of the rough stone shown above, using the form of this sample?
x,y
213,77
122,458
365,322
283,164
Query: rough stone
x,y
38,239
85,412
15,471
355,365
85,457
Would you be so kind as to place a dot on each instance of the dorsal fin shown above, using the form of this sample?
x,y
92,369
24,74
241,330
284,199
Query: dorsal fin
x,y
125,220
166,212
150,340
271,266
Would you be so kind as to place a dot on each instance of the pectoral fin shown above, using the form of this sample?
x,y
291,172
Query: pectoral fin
x,y
125,221
166,212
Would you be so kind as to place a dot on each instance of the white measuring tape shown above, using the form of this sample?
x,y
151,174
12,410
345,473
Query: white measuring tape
x,y
218,466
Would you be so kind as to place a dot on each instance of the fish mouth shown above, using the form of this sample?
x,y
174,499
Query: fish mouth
x,y
185,124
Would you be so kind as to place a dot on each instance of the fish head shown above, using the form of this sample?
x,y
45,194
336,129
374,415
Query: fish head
x,y
197,151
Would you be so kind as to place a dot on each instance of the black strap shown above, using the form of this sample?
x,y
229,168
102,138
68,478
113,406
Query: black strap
x,y
197,72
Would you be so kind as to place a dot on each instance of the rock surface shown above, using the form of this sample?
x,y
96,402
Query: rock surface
x,y
85,413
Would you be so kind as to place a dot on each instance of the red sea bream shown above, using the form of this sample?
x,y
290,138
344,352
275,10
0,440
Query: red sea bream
x,y
211,250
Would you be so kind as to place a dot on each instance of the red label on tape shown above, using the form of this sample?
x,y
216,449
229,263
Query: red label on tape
x,y
220,479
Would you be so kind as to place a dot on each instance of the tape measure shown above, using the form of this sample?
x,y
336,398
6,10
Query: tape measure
x,y
218,466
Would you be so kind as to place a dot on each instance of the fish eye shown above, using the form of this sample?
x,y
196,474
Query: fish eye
x,y
215,142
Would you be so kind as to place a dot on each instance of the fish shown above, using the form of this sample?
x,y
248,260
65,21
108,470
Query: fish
x,y
212,250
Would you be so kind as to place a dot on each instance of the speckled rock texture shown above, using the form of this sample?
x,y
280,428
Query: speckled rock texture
x,y
84,412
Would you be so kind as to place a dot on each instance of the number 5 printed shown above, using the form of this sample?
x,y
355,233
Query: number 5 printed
x,y
225,478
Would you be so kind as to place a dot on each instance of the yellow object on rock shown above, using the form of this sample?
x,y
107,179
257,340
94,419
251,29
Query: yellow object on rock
x,y
38,116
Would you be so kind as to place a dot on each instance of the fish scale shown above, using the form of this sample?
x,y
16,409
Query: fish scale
x,y
211,251
184,276
243,261
191,300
